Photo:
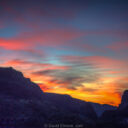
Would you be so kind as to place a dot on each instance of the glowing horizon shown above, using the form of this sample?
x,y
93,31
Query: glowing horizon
x,y
70,47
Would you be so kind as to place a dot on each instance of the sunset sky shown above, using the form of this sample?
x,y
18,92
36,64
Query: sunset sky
x,y
75,47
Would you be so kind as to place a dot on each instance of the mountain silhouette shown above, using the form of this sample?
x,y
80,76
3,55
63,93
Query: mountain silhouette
x,y
24,105
124,101
117,118
14,84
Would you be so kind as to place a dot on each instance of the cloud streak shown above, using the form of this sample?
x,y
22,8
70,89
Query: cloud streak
x,y
74,47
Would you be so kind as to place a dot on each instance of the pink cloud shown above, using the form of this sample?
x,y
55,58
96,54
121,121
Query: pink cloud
x,y
53,37
97,61
31,64
13,44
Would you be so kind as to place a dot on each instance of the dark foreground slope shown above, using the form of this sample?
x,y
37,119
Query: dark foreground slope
x,y
23,104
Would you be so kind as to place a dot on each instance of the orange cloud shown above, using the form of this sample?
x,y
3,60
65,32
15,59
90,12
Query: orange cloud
x,y
105,92
52,38
98,96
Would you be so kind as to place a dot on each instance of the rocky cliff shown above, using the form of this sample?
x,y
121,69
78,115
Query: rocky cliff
x,y
124,100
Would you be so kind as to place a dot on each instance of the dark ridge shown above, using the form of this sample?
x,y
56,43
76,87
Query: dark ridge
x,y
24,105
124,100
117,118
13,83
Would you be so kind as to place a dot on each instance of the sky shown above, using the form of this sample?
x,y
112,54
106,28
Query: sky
x,y
75,47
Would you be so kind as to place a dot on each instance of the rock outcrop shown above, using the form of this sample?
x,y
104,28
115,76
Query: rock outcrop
x,y
117,118
14,84
124,100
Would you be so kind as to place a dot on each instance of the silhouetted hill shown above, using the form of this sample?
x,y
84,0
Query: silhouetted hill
x,y
14,84
117,118
24,105
69,104
101,108
124,101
